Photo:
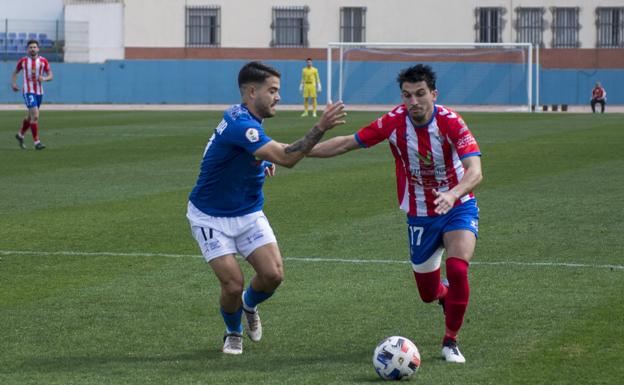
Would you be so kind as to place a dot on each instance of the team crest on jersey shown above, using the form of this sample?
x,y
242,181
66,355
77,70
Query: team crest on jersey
x,y
427,160
252,135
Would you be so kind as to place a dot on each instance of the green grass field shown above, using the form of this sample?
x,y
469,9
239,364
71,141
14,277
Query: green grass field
x,y
101,283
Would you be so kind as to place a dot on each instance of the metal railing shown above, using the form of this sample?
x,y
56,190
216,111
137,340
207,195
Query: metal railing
x,y
15,35
56,38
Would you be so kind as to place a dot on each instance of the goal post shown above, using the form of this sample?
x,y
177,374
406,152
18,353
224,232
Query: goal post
x,y
468,73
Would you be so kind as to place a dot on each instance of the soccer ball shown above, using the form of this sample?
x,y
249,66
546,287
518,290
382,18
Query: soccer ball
x,y
396,358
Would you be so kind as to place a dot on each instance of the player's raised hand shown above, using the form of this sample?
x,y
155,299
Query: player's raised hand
x,y
333,115
444,201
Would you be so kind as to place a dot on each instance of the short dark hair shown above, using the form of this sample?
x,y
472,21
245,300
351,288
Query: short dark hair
x,y
310,59
32,41
418,73
255,72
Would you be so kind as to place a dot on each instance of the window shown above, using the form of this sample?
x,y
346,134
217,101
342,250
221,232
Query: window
x,y
530,26
352,24
203,26
489,25
610,23
290,27
565,27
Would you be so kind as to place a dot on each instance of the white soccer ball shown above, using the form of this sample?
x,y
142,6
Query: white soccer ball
x,y
396,358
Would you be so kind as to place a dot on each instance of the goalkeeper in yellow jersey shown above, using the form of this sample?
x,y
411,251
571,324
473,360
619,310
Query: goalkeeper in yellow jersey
x,y
310,84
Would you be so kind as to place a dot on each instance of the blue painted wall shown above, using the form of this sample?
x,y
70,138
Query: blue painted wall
x,y
214,82
458,83
574,86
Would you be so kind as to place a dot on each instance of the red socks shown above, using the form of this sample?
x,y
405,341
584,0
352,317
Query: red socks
x,y
25,126
34,127
455,297
429,286
456,300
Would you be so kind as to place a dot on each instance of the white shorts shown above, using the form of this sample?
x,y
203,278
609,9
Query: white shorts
x,y
218,236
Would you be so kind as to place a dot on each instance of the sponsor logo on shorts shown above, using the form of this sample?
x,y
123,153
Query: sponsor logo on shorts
x,y
255,236
214,245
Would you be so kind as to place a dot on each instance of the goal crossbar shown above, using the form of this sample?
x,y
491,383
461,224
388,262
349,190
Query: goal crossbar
x,y
342,46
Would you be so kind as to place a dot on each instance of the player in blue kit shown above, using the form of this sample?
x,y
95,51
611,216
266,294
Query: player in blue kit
x,y
225,207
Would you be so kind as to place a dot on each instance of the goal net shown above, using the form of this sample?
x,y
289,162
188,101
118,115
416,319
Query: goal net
x,y
498,74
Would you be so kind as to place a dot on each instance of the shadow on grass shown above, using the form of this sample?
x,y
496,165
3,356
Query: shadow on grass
x,y
201,360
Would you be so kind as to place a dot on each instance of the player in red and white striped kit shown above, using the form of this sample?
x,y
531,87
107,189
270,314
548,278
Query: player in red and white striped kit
x,y
438,164
36,70
599,96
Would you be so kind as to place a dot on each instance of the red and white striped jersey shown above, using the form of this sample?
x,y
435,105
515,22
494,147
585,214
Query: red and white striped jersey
x,y
599,93
427,157
33,70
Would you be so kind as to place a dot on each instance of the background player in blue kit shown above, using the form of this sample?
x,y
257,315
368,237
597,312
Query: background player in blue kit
x,y
225,207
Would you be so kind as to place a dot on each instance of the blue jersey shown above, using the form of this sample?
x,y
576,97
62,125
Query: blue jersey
x,y
231,178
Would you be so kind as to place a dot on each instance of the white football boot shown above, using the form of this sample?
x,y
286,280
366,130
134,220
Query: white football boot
x,y
451,352
233,343
253,325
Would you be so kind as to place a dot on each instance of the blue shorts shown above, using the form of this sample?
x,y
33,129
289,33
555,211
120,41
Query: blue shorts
x,y
425,233
32,100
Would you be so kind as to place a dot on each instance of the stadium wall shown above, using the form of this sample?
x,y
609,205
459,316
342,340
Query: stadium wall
x,y
214,82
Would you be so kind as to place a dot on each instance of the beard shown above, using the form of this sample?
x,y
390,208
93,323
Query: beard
x,y
265,111
270,111
418,116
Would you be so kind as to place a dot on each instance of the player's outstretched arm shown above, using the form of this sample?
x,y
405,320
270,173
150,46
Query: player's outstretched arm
x,y
288,155
334,146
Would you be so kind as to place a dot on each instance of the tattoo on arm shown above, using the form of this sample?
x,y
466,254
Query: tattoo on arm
x,y
306,143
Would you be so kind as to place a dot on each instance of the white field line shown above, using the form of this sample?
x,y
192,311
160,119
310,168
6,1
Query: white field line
x,y
306,259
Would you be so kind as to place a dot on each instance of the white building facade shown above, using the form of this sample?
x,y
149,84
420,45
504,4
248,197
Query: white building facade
x,y
314,23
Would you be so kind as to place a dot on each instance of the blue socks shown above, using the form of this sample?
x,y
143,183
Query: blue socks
x,y
233,322
251,298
